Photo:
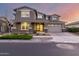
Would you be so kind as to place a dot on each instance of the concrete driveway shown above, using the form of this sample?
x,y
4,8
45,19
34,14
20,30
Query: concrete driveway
x,y
65,37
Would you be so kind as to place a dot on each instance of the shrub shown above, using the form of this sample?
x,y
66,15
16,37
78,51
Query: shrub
x,y
18,36
73,29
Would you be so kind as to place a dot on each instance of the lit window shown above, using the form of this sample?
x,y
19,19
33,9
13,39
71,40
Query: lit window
x,y
24,26
40,16
25,13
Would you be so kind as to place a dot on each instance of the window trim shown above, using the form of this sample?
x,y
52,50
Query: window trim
x,y
27,13
40,16
54,18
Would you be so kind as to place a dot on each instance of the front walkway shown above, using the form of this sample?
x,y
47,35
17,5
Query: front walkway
x,y
65,37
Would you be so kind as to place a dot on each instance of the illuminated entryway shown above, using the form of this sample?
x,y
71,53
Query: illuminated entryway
x,y
38,27
24,26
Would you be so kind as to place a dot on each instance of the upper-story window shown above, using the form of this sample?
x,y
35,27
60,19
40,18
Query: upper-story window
x,y
25,13
54,18
40,16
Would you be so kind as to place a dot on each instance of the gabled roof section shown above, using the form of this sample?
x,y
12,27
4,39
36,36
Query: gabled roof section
x,y
3,18
28,8
23,7
55,15
36,11
41,13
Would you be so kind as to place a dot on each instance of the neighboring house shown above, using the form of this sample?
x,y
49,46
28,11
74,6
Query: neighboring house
x,y
4,25
29,20
73,24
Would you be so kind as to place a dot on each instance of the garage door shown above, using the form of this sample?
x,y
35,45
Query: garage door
x,y
54,28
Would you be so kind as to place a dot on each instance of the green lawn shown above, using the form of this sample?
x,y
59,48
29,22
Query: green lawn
x,y
17,36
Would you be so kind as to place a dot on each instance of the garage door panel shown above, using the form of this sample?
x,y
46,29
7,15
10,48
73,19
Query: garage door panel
x,y
56,28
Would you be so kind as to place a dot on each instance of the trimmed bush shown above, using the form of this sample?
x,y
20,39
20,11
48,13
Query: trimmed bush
x,y
17,36
73,29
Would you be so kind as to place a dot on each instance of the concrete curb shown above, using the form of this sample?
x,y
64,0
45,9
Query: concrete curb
x,y
34,41
64,42
25,41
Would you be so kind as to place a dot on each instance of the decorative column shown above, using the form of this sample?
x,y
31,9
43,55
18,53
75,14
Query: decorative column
x,y
30,28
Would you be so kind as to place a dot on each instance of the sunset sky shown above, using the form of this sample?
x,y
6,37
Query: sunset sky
x,y
69,12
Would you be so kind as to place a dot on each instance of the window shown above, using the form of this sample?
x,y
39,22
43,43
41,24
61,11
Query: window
x,y
25,13
39,27
46,18
24,26
40,16
54,18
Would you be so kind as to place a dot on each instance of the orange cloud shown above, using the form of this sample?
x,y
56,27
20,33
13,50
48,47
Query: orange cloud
x,y
69,12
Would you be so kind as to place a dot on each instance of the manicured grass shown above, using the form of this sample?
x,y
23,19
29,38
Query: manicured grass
x,y
17,36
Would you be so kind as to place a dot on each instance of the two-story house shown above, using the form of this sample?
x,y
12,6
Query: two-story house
x,y
29,20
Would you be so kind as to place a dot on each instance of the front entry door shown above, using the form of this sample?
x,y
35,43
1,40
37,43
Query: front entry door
x,y
38,27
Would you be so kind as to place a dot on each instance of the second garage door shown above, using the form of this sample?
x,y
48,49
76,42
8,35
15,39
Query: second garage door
x,y
54,28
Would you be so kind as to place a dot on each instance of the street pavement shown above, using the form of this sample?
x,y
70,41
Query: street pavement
x,y
62,44
39,49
